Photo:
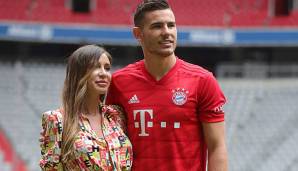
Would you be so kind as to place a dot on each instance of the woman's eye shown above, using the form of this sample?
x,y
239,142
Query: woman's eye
x,y
107,68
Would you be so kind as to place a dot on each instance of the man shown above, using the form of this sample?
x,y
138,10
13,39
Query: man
x,y
174,109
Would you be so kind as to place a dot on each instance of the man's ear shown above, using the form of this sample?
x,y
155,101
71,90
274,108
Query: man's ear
x,y
137,33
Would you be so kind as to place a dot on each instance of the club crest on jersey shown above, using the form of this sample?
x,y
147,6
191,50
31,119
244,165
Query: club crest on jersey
x,y
179,96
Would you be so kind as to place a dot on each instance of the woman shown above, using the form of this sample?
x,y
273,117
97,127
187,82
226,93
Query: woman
x,y
85,134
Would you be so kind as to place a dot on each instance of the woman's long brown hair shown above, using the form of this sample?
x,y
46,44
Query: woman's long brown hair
x,y
79,67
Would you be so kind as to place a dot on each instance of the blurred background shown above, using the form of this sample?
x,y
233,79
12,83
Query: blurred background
x,y
250,45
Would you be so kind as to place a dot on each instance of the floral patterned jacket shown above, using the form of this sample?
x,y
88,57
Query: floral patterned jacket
x,y
113,152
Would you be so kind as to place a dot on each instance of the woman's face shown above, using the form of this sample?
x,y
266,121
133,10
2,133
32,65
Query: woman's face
x,y
100,77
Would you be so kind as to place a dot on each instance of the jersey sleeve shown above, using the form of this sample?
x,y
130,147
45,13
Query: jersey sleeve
x,y
50,142
211,100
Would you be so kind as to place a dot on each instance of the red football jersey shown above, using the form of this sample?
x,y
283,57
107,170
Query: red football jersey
x,y
164,117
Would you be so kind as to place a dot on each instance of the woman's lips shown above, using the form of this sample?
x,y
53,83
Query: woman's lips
x,y
102,83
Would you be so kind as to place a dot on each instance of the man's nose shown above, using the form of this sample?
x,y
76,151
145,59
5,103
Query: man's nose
x,y
165,30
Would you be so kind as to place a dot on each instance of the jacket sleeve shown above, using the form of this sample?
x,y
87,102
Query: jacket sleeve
x,y
50,142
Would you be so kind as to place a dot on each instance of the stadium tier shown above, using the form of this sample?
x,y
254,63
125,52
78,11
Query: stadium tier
x,y
219,13
261,116
9,159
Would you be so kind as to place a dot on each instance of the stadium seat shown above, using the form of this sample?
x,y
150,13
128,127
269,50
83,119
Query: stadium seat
x,y
211,13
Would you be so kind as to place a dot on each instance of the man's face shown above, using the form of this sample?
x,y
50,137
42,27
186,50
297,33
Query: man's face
x,y
158,34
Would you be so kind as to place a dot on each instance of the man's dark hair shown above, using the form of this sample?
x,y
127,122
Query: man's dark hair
x,y
148,6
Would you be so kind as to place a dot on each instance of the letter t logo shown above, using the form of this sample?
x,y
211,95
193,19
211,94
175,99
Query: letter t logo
x,y
142,120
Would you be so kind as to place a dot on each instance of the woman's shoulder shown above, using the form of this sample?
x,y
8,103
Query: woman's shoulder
x,y
115,113
113,109
52,115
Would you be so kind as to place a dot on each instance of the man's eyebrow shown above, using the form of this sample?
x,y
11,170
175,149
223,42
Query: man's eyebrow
x,y
156,23
159,22
172,22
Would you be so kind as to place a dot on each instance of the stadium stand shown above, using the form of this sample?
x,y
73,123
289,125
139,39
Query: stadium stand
x,y
229,13
260,115
9,160
256,70
18,119
5,153
261,123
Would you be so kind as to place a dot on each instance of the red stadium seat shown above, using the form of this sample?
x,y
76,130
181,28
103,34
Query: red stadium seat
x,y
218,13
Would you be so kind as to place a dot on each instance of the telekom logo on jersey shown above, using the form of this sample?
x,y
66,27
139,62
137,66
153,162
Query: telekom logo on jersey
x,y
142,114
139,117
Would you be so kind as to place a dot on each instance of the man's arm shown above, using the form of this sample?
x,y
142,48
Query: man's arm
x,y
217,152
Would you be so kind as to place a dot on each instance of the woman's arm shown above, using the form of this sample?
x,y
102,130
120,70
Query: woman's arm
x,y
50,142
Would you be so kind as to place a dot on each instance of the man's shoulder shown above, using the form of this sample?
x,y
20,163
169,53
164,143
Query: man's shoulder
x,y
129,69
193,69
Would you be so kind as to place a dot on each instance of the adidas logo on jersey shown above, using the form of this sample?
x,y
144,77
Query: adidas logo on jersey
x,y
133,99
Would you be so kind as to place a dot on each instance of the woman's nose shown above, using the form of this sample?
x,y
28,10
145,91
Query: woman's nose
x,y
102,72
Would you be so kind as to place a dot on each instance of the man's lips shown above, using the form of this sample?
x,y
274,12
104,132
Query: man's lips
x,y
166,43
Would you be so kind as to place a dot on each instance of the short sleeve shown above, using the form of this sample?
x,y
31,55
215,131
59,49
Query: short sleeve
x,y
211,100
50,142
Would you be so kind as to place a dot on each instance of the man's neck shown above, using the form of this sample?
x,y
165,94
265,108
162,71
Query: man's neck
x,y
159,66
